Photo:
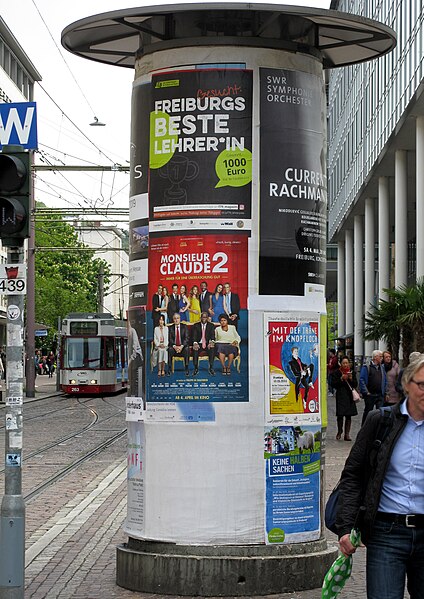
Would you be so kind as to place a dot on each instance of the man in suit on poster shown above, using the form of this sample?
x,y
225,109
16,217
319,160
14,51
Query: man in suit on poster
x,y
205,298
203,340
156,301
174,303
178,343
302,373
232,302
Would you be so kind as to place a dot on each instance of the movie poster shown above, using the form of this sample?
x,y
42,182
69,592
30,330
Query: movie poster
x,y
136,459
293,185
136,325
198,286
292,359
201,150
292,474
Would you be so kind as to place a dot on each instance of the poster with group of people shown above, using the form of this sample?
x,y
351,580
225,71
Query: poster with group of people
x,y
197,326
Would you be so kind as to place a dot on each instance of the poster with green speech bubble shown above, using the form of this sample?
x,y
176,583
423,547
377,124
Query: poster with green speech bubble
x,y
200,150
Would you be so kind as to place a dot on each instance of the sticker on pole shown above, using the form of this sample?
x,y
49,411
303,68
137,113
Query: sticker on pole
x,y
13,279
13,459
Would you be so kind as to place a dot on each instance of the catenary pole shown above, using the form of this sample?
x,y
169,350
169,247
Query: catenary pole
x,y
12,520
30,305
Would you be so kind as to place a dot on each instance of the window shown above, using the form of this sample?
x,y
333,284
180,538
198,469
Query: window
x,y
82,353
110,352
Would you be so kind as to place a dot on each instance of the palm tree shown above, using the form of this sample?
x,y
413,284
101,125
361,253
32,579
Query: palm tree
x,y
413,315
399,319
382,321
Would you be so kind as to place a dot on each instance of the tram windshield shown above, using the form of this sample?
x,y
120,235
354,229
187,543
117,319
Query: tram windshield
x,y
82,352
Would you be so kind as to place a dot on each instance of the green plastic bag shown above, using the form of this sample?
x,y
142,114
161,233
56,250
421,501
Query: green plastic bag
x,y
339,571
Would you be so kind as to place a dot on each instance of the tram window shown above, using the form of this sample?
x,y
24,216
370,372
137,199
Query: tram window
x,y
82,353
94,353
110,352
118,353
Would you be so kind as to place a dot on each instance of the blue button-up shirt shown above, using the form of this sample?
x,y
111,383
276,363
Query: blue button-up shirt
x,y
403,486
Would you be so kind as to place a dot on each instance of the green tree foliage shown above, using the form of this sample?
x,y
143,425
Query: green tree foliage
x,y
398,319
65,280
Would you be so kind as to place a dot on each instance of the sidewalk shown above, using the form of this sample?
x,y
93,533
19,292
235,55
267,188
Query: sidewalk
x,y
72,533
71,552
44,387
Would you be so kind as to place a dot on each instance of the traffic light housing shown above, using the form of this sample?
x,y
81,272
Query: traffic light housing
x,y
15,195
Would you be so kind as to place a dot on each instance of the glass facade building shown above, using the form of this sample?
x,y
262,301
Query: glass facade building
x,y
375,136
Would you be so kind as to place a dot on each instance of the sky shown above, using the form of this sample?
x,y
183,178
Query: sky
x,y
74,91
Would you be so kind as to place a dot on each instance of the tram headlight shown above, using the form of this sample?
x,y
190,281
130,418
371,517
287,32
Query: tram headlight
x,y
72,382
93,382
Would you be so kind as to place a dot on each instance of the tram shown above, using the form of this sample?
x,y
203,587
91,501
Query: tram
x,y
94,354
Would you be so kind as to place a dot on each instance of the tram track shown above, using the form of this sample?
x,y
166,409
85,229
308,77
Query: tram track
x,y
57,442
49,413
73,466
64,451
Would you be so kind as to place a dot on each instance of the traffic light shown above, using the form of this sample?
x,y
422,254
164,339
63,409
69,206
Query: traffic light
x,y
15,194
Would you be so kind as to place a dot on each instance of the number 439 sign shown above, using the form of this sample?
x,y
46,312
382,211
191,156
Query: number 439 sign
x,y
13,279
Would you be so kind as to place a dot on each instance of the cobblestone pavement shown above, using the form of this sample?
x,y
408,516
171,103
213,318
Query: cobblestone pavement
x,y
72,534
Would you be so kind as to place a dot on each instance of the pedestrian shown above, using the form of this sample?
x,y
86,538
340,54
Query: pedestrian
x,y
332,366
392,369
50,362
343,380
373,383
392,499
37,357
412,356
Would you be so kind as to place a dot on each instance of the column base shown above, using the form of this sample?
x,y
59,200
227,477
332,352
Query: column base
x,y
224,570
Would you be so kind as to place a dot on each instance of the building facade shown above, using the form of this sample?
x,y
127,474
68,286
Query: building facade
x,y
108,243
375,174
17,78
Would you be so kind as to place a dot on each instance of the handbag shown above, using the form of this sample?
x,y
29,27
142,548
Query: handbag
x,y
355,394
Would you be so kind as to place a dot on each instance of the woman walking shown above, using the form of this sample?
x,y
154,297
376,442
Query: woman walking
x,y
343,381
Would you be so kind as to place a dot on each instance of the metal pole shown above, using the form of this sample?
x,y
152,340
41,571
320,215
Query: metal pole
x,y
30,305
101,289
12,511
59,356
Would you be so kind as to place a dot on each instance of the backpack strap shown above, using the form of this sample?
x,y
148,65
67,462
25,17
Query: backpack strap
x,y
384,426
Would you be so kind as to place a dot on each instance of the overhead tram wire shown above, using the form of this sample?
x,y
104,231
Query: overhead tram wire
x,y
75,125
77,191
42,153
54,193
39,178
69,182
80,89
63,58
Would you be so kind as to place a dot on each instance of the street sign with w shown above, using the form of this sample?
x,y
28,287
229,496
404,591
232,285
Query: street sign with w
x,y
18,125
